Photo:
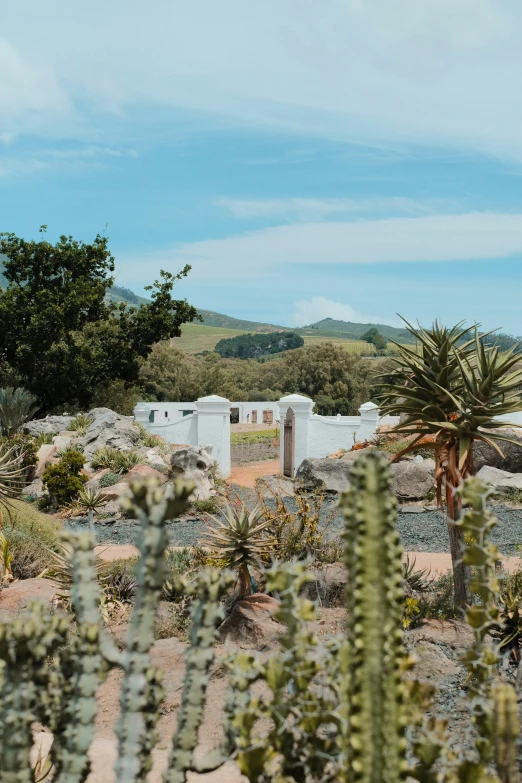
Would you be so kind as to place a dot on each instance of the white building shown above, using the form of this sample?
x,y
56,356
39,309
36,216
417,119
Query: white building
x,y
240,412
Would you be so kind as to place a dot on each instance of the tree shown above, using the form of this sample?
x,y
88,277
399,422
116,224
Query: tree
x,y
448,391
255,346
374,337
59,335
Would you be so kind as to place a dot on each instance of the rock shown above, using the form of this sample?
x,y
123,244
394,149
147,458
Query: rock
x,y
61,441
52,425
18,595
433,665
351,456
413,509
154,457
142,473
94,482
268,486
110,429
449,632
512,459
45,455
500,479
328,585
95,413
116,491
195,464
428,463
250,624
330,475
410,481
34,489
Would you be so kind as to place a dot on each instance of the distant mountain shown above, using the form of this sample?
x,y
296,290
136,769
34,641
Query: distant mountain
x,y
120,294
227,322
354,331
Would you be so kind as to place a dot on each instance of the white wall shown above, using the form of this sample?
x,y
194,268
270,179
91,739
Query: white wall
x,y
329,434
166,412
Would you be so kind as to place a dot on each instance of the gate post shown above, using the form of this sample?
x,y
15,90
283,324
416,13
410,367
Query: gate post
x,y
302,408
142,414
214,429
370,414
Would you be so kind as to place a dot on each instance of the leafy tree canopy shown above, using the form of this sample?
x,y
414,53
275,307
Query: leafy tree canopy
x,y
59,337
374,337
255,346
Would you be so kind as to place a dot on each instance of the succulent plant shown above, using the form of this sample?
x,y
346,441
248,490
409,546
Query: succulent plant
x,y
238,541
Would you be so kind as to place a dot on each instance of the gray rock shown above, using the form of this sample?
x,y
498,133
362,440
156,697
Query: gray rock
x,y
512,459
97,412
195,464
410,481
330,475
62,441
50,425
110,429
500,479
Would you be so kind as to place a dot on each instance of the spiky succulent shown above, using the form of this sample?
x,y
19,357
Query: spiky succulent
x,y
16,407
238,540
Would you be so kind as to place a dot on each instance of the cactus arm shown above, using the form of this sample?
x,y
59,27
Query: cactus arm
x,y
25,645
375,744
506,729
82,669
141,691
207,613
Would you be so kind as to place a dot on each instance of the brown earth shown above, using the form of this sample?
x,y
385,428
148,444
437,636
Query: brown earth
x,y
246,475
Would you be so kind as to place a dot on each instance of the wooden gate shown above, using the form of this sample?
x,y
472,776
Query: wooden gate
x,y
288,444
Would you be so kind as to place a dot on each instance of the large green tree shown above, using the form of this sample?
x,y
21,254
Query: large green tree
x,y
60,337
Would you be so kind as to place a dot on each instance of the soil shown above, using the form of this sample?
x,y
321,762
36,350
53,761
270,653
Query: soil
x,y
246,475
253,452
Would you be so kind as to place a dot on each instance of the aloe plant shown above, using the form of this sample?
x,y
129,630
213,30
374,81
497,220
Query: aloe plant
x,y
448,389
238,541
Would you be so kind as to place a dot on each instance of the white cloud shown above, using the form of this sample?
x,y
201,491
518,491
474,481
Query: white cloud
x,y
466,237
315,309
438,72
319,209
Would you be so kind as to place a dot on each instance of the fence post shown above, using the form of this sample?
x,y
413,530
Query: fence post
x,y
214,429
302,408
370,415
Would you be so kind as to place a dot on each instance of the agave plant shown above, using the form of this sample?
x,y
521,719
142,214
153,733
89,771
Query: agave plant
x,y
16,407
6,560
90,500
12,475
80,424
448,389
126,460
239,543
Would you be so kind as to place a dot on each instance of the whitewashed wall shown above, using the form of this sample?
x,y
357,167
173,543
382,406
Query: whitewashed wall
x,y
167,412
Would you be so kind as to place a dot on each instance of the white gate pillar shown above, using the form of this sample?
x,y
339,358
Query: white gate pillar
x,y
370,415
214,429
302,408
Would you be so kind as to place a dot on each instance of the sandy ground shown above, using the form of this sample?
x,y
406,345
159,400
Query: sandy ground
x,y
246,475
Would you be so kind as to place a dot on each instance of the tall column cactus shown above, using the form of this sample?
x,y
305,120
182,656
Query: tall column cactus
x,y
372,697
141,691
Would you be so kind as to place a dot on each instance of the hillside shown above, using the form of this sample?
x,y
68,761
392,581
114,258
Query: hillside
x,y
354,331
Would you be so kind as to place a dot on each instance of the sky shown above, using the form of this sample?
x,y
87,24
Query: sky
x,y
353,159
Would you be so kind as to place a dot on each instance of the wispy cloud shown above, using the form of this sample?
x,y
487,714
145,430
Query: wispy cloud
x,y
466,237
292,209
309,311
440,72
65,158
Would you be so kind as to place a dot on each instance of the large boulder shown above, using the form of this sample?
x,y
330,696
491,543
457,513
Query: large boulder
x,y
410,481
500,479
142,473
329,475
512,454
52,425
46,453
17,596
195,464
110,429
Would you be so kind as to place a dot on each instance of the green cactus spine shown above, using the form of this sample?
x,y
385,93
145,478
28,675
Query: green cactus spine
x,y
506,729
207,613
141,691
25,646
372,701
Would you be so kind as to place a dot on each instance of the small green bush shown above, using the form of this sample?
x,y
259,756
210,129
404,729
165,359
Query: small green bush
x,y
30,535
210,506
63,481
104,458
109,479
43,439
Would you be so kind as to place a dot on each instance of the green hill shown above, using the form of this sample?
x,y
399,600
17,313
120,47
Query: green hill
x,y
353,331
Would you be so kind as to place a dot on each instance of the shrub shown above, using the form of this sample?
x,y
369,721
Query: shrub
x,y
114,459
104,458
30,535
24,447
109,479
63,481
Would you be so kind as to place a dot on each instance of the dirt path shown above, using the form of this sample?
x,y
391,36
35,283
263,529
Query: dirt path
x,y
246,475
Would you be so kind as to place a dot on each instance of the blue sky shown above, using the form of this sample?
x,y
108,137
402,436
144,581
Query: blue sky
x,y
352,159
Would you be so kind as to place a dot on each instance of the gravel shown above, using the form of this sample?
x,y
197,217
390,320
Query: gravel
x,y
421,532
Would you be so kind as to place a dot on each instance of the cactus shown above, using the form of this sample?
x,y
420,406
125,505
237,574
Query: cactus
x,y
375,743
506,728
209,586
